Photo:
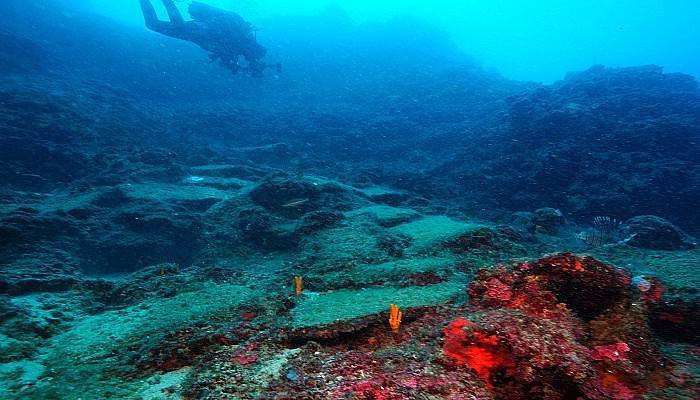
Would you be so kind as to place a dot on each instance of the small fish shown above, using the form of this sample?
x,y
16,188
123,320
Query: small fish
x,y
294,203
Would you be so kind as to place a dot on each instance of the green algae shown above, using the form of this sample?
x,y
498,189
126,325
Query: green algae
x,y
315,309
216,169
386,216
374,191
216,182
165,192
56,201
166,386
16,374
430,231
356,239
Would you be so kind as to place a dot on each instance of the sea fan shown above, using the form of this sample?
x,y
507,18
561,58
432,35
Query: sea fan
x,y
605,230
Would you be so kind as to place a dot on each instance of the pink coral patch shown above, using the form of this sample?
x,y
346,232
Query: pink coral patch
x,y
245,359
613,352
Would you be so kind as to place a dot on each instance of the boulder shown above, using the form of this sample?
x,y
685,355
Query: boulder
x,y
543,220
652,232
258,229
548,219
287,196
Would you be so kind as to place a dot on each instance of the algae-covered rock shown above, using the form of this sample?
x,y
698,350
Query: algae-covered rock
x,y
387,216
44,269
318,220
262,230
315,309
652,232
13,349
413,271
483,238
97,356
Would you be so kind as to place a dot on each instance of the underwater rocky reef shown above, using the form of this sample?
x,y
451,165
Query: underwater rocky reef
x,y
465,237
152,270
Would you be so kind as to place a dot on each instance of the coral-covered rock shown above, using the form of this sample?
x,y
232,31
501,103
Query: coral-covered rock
x,y
585,285
514,353
560,327
588,287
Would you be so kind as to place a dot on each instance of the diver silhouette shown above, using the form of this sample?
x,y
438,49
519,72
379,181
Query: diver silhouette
x,y
224,34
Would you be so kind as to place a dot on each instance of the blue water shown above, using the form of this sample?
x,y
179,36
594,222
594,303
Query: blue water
x,y
539,41
160,192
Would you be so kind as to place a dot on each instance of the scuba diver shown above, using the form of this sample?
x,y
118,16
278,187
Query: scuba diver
x,y
224,34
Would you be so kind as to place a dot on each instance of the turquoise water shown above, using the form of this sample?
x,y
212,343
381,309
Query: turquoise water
x,y
524,40
349,200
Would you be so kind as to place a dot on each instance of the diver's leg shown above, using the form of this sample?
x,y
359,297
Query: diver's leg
x,y
151,18
149,13
173,13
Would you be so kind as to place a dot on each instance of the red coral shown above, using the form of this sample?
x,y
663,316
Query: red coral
x,y
613,352
245,359
477,350
369,389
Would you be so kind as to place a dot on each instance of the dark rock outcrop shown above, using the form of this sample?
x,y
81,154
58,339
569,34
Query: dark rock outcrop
x,y
318,220
620,142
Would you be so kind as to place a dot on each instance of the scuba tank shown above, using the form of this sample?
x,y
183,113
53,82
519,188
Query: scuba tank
x,y
218,19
